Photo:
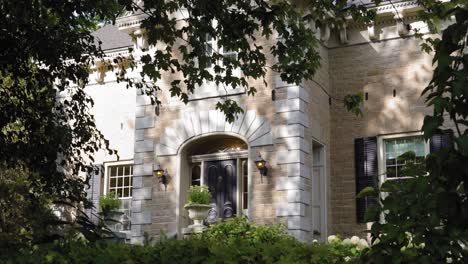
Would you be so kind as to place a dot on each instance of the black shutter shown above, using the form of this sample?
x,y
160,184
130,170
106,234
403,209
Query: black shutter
x,y
442,139
365,152
94,190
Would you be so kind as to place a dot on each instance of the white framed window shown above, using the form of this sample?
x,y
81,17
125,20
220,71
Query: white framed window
x,y
119,180
211,89
390,147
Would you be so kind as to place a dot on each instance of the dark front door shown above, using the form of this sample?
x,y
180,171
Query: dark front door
x,y
221,178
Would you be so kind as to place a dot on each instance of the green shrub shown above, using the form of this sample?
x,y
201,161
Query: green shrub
x,y
232,241
199,195
240,228
109,202
26,217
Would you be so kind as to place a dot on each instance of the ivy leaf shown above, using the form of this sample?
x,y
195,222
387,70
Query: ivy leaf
x,y
353,103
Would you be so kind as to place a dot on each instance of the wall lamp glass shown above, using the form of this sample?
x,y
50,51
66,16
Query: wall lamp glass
x,y
261,165
160,173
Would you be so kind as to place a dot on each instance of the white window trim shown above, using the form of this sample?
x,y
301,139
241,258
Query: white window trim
x,y
381,163
106,172
106,182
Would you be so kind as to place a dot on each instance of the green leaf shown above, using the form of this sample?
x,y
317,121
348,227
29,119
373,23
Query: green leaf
x,y
431,124
366,192
353,103
462,143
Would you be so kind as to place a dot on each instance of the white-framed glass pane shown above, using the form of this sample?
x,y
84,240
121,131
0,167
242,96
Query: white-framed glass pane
x,y
245,189
395,147
196,175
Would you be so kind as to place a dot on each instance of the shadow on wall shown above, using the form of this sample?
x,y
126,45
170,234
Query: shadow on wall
x,y
393,73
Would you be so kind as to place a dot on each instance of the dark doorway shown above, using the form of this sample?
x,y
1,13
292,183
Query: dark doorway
x,y
221,178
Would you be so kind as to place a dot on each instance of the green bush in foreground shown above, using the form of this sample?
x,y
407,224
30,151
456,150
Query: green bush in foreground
x,y
233,241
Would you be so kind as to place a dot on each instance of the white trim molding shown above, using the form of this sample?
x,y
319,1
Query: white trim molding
x,y
220,156
381,164
108,164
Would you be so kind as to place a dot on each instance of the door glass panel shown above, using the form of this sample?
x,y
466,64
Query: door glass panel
x,y
245,196
196,172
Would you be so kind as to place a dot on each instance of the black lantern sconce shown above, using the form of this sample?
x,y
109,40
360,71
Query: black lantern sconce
x,y
160,173
261,165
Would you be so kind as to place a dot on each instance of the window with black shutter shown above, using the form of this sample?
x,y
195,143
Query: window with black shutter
x,y
366,172
393,146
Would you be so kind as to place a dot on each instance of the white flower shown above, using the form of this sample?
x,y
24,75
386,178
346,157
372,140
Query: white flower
x,y
463,246
347,258
347,241
354,240
422,245
449,260
333,239
376,241
362,244
315,241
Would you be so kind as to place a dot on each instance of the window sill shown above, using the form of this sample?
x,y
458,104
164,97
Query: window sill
x,y
213,91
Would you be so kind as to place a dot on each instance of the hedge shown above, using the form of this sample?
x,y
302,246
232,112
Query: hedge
x,y
234,241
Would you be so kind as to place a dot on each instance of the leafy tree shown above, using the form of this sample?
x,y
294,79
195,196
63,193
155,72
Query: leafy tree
x,y
181,28
18,201
46,139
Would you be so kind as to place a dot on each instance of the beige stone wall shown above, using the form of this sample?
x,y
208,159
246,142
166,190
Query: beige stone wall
x,y
161,205
375,68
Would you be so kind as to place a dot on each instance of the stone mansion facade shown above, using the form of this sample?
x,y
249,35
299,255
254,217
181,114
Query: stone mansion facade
x,y
318,155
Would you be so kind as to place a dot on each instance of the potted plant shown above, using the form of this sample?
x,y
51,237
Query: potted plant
x,y
198,205
110,205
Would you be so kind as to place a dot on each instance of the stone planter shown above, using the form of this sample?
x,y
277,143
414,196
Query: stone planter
x,y
197,213
111,218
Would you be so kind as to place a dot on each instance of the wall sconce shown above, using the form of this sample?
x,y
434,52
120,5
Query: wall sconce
x,y
261,165
160,173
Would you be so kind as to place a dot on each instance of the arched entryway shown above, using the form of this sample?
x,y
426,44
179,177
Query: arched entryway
x,y
221,162
196,128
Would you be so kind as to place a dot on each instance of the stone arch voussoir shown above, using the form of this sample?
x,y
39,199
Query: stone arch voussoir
x,y
249,125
